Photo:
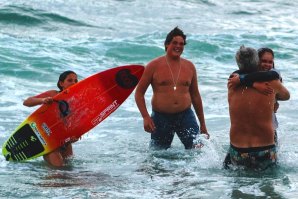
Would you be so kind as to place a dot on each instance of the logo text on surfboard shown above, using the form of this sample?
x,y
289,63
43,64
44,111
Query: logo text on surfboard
x,y
46,129
112,107
37,133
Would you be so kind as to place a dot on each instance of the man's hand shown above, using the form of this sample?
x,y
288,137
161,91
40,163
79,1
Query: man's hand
x,y
203,130
263,87
233,81
149,125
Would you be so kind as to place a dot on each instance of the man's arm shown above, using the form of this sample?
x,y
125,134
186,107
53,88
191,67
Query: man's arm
x,y
141,89
197,104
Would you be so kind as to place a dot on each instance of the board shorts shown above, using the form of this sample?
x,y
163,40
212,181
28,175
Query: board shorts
x,y
184,124
254,157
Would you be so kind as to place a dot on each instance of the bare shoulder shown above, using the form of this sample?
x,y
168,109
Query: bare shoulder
x,y
152,66
276,84
155,62
52,93
281,91
149,72
187,62
188,66
49,93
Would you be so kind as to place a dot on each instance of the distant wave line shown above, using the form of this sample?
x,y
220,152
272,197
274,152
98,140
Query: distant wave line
x,y
32,17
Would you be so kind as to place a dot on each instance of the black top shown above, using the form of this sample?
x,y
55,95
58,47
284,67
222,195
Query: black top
x,y
260,76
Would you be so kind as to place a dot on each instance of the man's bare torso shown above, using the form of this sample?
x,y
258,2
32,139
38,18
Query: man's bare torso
x,y
251,117
165,99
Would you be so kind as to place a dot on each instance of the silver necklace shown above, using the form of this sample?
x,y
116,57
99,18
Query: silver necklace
x,y
174,82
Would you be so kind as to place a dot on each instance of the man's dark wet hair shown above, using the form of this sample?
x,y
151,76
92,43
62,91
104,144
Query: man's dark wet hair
x,y
175,32
262,51
63,76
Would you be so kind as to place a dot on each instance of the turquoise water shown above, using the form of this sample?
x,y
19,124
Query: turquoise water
x,y
39,40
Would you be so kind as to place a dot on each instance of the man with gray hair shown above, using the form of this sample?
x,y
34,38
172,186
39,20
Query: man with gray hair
x,y
251,133
247,59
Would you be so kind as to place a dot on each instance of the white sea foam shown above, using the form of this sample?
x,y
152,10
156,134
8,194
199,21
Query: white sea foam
x,y
40,40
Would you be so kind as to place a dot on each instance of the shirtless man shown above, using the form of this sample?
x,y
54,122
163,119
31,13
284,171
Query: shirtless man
x,y
175,89
252,133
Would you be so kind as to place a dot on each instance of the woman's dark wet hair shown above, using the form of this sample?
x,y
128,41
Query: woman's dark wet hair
x,y
63,76
175,32
262,51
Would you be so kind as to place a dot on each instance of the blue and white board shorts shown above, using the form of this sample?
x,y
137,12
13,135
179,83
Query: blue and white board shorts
x,y
184,124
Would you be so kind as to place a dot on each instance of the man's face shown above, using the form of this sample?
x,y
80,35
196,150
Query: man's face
x,y
176,46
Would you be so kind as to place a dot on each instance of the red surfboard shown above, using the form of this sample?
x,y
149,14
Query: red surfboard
x,y
74,112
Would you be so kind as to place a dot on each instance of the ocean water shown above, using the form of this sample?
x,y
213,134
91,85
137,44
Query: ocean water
x,y
41,39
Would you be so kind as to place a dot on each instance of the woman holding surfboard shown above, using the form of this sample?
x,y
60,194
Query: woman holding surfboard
x,y
57,157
